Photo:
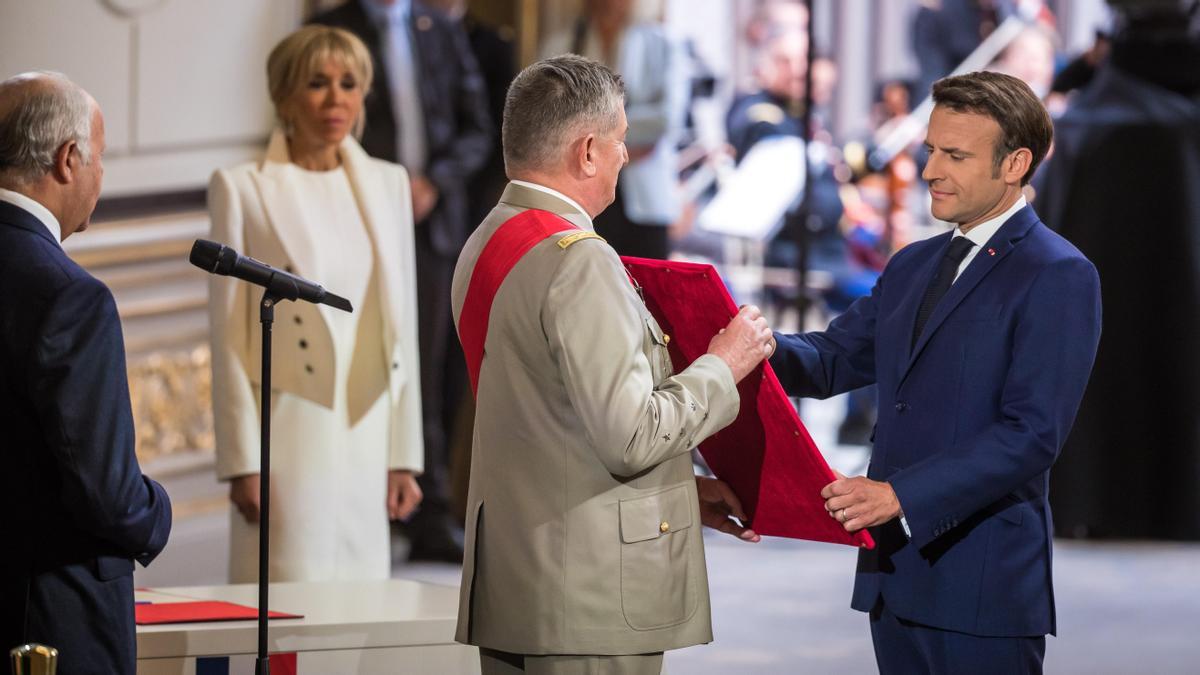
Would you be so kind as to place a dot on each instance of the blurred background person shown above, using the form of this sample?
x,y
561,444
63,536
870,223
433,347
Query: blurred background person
x,y
945,32
1121,186
1030,57
771,17
77,510
495,53
775,110
430,114
1079,71
627,36
346,415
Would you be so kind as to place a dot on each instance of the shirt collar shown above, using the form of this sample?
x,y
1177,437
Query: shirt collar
x,y
981,233
554,193
395,13
35,209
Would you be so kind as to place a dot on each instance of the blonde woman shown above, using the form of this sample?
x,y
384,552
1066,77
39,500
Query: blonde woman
x,y
346,411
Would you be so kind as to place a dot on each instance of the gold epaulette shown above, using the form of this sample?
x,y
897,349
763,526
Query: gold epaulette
x,y
578,236
765,112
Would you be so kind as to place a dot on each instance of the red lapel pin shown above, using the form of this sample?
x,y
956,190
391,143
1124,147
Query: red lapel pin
x,y
991,251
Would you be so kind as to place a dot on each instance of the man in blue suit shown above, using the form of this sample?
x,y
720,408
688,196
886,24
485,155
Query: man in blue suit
x,y
981,341
77,510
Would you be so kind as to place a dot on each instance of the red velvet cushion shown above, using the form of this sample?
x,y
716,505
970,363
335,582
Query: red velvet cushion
x,y
766,454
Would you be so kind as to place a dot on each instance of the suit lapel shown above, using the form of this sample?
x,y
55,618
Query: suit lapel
x,y
996,249
375,199
285,210
911,301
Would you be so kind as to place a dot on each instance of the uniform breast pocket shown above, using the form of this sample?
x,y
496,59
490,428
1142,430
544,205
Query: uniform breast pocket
x,y
658,588
657,351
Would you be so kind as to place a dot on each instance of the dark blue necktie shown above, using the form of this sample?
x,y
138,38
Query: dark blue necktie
x,y
958,249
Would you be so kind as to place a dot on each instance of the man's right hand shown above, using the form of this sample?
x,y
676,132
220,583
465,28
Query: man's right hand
x,y
424,197
744,343
243,492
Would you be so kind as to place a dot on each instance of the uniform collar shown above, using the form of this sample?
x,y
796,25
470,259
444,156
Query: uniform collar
x,y
521,197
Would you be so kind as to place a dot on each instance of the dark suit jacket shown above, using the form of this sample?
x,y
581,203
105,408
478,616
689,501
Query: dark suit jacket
x,y
457,125
76,508
970,422
496,55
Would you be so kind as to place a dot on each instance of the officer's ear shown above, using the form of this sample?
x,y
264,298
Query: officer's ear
x,y
583,156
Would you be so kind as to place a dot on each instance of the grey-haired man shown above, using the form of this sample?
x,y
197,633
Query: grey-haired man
x,y
584,551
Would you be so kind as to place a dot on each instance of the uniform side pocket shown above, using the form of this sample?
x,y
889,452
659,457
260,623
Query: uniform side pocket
x,y
657,588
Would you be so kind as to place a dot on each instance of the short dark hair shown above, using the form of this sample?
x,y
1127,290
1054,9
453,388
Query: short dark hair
x,y
1023,120
553,98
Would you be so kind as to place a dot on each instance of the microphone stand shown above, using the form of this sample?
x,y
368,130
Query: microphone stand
x,y
216,258
266,316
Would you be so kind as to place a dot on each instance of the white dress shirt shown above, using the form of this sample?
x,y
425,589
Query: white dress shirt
x,y
35,209
981,233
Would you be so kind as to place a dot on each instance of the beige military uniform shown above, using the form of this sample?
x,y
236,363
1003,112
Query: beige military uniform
x,y
583,529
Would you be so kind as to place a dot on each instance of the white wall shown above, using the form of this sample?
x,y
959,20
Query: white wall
x,y
182,82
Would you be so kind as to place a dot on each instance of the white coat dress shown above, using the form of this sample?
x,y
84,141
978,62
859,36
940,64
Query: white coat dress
x,y
346,388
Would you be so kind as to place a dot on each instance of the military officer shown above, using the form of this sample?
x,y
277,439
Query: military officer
x,y
583,539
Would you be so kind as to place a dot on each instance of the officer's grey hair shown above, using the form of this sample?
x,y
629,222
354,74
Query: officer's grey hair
x,y
554,101
39,112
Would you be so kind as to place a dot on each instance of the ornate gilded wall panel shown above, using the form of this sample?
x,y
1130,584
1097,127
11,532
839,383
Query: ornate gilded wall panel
x,y
169,391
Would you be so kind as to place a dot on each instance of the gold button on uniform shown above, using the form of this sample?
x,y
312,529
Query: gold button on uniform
x,y
664,526
666,339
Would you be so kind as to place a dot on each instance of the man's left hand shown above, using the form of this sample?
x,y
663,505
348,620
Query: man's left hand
x,y
718,508
859,502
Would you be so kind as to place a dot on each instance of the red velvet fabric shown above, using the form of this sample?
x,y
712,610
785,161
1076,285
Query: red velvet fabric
x,y
766,454
508,244
200,611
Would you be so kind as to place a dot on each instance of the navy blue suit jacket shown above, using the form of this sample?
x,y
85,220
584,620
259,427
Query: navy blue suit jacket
x,y
76,508
970,421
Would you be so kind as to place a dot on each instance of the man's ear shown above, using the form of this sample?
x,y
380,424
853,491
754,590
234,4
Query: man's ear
x,y
587,155
1016,164
66,161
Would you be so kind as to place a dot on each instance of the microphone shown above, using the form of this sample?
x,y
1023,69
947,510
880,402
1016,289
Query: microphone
x,y
217,258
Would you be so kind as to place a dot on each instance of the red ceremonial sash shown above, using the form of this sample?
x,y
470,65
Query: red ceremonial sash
x,y
509,243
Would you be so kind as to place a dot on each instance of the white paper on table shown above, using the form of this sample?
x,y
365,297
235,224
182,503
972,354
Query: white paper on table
x,y
753,201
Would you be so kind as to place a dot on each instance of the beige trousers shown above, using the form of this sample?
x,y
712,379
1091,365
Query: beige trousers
x,y
494,662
